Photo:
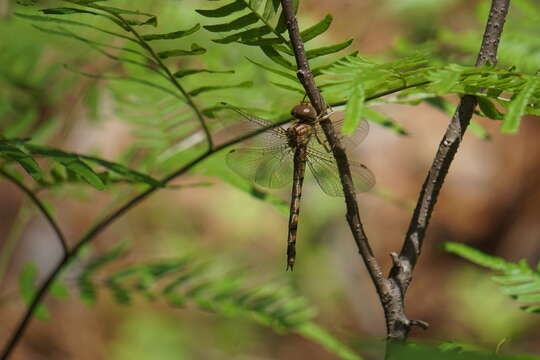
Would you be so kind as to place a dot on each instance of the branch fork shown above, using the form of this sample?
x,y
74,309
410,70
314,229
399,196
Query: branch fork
x,y
392,290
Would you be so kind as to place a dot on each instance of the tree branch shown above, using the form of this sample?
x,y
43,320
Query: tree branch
x,y
353,213
41,208
401,273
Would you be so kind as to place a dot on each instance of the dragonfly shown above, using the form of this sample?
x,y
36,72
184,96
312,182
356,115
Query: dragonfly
x,y
281,154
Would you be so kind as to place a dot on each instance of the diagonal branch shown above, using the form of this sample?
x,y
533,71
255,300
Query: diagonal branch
x,y
41,208
353,213
404,263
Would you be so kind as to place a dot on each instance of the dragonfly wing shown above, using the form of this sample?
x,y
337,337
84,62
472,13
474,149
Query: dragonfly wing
x,y
267,167
350,141
325,171
250,123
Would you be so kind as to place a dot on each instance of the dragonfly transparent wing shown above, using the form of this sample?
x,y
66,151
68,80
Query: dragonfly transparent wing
x,y
350,141
250,123
325,171
267,167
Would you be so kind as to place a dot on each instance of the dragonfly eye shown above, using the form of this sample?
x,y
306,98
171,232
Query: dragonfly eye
x,y
304,112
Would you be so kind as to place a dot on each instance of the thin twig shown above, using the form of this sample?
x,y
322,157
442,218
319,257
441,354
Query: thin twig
x,y
401,273
41,207
108,220
353,213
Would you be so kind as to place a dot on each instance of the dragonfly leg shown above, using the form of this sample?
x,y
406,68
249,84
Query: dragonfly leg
x,y
322,142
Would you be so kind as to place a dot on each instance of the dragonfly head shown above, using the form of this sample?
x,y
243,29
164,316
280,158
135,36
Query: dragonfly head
x,y
304,112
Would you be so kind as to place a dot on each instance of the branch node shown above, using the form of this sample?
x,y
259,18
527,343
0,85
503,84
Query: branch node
x,y
419,323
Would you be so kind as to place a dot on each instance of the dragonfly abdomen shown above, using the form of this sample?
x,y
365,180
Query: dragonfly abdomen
x,y
300,154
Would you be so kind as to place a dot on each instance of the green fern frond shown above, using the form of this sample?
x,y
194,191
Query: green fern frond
x,y
262,24
342,80
23,153
209,286
517,280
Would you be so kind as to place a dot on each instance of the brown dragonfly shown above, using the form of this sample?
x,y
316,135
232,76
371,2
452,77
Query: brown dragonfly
x,y
279,155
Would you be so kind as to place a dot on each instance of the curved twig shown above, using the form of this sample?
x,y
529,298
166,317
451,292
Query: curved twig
x,y
41,207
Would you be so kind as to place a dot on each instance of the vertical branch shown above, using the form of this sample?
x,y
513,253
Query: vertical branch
x,y
353,213
303,73
404,263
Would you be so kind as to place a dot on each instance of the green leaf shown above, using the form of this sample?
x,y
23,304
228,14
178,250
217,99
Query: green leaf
x,y
27,287
203,89
172,35
124,171
326,50
270,9
479,130
12,152
488,108
236,24
443,80
253,36
275,71
87,287
224,10
262,42
517,107
130,79
151,19
59,290
273,55
355,108
98,47
195,50
51,19
287,87
118,11
475,256
317,29
187,72
67,11
71,161
383,120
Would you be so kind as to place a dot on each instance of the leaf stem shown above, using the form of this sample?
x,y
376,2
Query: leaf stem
x,y
41,207
171,77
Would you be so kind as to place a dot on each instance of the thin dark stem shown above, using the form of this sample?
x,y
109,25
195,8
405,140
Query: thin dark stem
x,y
353,213
108,220
41,208
404,263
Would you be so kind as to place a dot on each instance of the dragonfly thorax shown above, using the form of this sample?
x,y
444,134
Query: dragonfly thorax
x,y
299,134
305,113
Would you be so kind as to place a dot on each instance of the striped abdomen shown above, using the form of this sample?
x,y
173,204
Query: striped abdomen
x,y
296,194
